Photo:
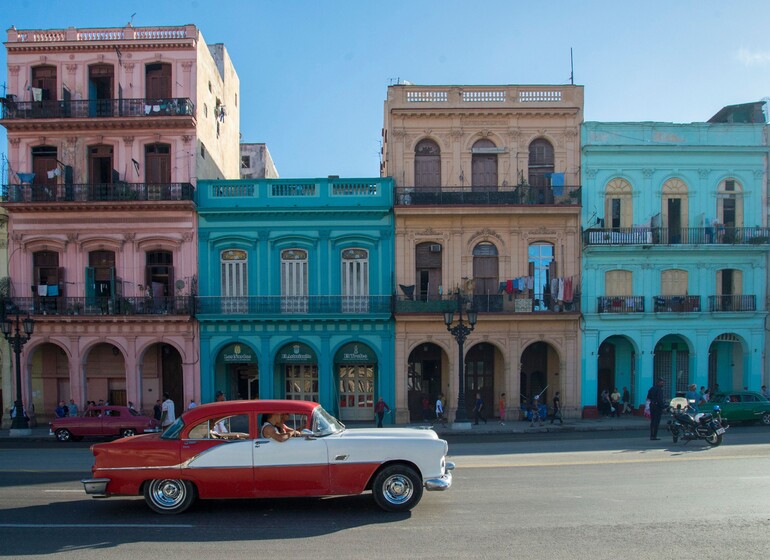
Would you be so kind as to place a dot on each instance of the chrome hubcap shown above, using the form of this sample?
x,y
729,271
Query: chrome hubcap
x,y
398,489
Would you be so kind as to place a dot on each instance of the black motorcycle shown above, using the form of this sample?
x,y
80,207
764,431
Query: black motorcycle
x,y
686,424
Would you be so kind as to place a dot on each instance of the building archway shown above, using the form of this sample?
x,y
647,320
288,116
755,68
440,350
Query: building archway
x,y
671,363
356,367
237,372
726,363
480,377
539,374
424,379
297,372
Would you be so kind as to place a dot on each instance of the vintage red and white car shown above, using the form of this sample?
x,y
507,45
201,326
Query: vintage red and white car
x,y
217,451
103,421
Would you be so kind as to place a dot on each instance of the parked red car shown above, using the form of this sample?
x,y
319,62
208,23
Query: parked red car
x,y
103,421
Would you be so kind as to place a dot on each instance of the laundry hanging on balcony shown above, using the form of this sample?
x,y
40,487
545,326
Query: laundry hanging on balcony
x,y
25,177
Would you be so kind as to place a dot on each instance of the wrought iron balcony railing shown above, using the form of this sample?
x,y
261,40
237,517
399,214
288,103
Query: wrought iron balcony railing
x,y
677,236
620,304
293,305
97,108
486,304
71,306
676,304
524,195
99,192
733,303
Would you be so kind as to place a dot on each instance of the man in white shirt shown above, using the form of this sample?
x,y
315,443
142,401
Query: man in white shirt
x,y
167,411
440,410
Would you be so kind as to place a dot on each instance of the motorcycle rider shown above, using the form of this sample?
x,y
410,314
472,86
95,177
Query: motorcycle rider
x,y
658,402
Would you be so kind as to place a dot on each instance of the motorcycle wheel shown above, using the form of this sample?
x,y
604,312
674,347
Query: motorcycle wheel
x,y
714,439
675,438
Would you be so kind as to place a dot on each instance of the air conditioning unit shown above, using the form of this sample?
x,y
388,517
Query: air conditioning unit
x,y
435,248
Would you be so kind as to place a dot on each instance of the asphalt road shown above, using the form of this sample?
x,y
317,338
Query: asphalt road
x,y
607,496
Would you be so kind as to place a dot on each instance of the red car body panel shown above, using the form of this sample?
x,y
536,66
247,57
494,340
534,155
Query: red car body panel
x,y
104,421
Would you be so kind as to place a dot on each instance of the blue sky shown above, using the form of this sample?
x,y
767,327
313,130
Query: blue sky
x,y
314,74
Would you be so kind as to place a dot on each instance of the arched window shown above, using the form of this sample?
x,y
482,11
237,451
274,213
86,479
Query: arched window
x,y
485,270
730,207
674,211
484,166
541,263
294,281
618,209
540,163
427,164
355,281
234,280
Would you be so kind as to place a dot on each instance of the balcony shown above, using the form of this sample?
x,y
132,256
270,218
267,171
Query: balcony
x,y
723,303
99,192
97,108
93,306
620,304
676,304
678,236
293,306
521,195
498,304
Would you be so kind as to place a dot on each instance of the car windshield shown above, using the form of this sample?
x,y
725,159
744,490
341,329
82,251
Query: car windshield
x,y
720,398
325,424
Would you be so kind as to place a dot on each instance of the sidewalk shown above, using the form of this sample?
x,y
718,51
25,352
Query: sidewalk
x,y
492,427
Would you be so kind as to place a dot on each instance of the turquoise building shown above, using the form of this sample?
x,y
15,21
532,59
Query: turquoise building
x,y
295,288
675,249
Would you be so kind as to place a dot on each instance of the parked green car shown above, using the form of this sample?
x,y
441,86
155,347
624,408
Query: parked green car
x,y
742,406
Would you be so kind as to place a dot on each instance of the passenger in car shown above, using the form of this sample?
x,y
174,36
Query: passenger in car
x,y
273,428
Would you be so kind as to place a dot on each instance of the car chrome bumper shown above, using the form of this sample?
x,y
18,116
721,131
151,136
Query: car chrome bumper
x,y
96,487
442,482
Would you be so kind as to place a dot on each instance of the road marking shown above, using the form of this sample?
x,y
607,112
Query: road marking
x,y
91,525
460,464
62,491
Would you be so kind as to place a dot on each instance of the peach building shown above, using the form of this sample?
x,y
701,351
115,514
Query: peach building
x,y
108,131
487,218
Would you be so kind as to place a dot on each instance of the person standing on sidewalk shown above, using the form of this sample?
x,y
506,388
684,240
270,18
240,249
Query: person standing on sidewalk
x,y
501,406
379,410
658,402
440,411
167,416
477,410
557,409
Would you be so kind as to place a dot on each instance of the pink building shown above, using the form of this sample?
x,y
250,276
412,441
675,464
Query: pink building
x,y
108,132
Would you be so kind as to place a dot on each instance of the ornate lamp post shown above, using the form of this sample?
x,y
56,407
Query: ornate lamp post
x,y
17,341
460,331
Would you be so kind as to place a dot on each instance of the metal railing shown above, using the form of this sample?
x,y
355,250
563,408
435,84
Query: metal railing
x,y
677,236
676,304
97,108
733,303
90,306
620,304
98,192
502,303
293,305
525,195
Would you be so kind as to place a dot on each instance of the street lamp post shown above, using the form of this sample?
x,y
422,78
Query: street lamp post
x,y
17,341
460,331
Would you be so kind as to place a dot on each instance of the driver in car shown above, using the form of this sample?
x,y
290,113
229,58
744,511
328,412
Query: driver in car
x,y
274,428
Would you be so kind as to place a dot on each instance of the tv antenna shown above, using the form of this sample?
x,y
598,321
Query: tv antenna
x,y
571,69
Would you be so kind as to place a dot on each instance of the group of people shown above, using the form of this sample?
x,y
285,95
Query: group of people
x,y
63,409
615,403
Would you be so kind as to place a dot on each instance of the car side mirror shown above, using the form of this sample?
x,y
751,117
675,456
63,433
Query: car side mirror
x,y
307,434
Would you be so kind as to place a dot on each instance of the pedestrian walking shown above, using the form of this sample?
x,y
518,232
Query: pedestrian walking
x,y
157,410
380,408
440,418
627,401
535,408
658,402
425,408
167,411
557,409
478,410
501,407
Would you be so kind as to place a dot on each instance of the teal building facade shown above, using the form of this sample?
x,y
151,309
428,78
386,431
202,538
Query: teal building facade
x,y
295,291
675,247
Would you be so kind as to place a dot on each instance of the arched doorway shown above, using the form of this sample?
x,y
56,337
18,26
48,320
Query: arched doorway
x,y
298,372
480,377
539,372
423,379
672,363
616,365
49,381
105,371
237,373
356,366
162,373
725,369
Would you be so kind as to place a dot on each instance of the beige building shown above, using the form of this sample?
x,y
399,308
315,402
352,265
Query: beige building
x,y
487,206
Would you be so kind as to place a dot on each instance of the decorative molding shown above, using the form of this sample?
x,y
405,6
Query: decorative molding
x,y
485,234
187,65
13,70
187,138
128,141
647,172
187,236
570,133
129,66
72,68
14,141
759,173
704,173
591,173
428,231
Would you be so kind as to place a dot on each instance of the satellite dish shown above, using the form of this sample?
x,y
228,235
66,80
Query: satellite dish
x,y
179,284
